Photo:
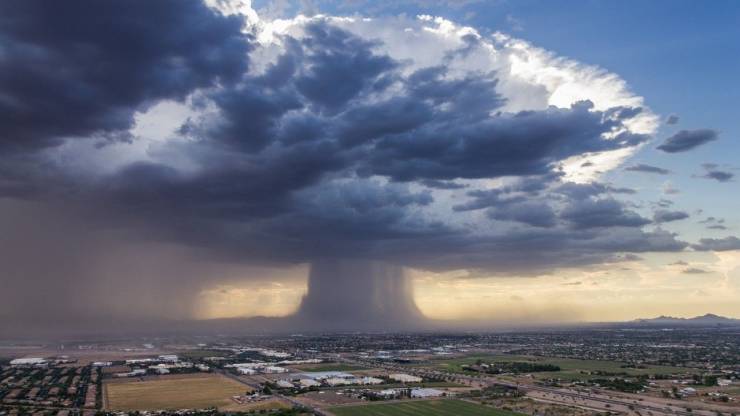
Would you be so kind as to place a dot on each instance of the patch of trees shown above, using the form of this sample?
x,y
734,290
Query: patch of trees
x,y
515,367
620,384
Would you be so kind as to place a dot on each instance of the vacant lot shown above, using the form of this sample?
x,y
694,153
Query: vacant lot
x,y
176,392
422,408
570,368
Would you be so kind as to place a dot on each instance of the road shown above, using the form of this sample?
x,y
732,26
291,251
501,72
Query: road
x,y
596,399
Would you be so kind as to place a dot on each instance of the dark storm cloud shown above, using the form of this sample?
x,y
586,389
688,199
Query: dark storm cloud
x,y
712,171
717,244
339,67
83,67
647,169
526,143
332,151
671,120
530,213
662,216
585,190
686,140
601,213
431,183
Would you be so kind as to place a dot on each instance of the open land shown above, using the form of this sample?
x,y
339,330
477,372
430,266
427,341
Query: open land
x,y
190,391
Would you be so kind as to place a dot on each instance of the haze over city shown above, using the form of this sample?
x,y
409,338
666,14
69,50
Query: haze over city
x,y
366,164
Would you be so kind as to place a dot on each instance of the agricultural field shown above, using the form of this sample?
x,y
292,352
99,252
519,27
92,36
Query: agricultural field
x,y
571,369
421,408
174,392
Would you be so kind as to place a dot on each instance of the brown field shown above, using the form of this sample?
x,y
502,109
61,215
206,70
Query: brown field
x,y
180,392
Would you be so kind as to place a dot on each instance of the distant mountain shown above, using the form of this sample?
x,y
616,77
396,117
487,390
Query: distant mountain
x,y
708,319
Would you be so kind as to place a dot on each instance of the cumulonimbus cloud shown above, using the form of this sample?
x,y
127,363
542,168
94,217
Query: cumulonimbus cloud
x,y
290,123
412,141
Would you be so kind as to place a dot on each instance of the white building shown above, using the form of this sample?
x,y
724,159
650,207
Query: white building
x,y
369,380
134,373
246,371
322,375
102,364
405,378
139,361
337,381
724,382
424,393
285,384
688,391
247,365
274,370
170,358
20,362
275,354
307,382
388,393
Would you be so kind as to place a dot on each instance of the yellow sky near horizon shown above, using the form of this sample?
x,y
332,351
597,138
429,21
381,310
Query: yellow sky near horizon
x,y
687,285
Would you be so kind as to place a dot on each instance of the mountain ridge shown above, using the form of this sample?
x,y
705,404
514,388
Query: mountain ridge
x,y
708,318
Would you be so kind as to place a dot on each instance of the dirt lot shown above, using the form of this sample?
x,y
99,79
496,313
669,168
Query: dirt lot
x,y
172,392
327,398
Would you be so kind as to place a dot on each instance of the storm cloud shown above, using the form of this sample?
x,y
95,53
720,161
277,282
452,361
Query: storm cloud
x,y
83,68
320,142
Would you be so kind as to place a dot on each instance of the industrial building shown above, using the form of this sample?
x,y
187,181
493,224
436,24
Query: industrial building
x,y
425,393
405,378
22,362
307,382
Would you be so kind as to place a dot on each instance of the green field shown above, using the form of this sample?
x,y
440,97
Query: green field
x,y
420,408
571,369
